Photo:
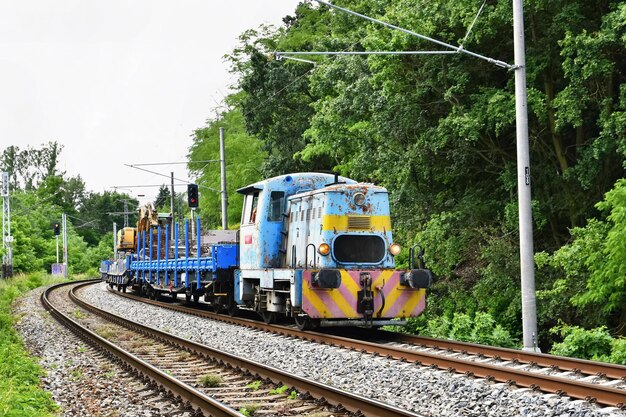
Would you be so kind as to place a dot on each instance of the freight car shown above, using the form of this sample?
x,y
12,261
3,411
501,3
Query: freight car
x,y
314,247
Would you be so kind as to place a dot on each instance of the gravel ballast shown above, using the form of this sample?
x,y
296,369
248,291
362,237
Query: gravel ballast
x,y
80,378
409,386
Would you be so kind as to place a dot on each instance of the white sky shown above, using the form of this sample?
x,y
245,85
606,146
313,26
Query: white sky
x,y
118,81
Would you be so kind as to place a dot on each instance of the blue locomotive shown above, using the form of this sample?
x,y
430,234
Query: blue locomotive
x,y
314,247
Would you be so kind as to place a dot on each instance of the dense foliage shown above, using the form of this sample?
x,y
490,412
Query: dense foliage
x,y
39,194
439,132
243,162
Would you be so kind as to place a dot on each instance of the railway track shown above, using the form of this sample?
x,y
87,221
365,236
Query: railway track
x,y
209,381
580,379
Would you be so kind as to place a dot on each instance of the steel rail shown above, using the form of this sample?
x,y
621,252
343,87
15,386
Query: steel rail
x,y
352,402
196,398
576,389
609,370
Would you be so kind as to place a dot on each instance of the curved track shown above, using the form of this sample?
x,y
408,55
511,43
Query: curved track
x,y
185,358
553,374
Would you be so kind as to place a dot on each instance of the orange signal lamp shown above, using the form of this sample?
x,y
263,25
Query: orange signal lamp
x,y
324,249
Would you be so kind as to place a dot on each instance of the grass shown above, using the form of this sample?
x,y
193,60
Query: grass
x,y
210,381
20,394
249,409
106,331
77,374
109,375
254,385
279,390
78,314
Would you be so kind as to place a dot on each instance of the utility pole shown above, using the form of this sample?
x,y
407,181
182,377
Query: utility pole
x,y
193,221
223,175
65,263
115,240
125,213
527,263
7,239
172,196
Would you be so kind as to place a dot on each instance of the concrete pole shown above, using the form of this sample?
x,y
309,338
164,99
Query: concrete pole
x,y
193,221
114,241
125,213
7,239
527,265
172,196
57,239
223,175
65,261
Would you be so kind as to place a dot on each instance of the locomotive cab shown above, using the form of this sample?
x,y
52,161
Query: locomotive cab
x,y
340,226
341,236
320,249
263,282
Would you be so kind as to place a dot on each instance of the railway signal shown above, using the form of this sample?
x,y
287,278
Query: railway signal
x,y
57,229
192,195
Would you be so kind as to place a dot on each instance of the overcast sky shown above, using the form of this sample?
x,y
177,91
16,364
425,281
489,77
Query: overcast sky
x,y
118,81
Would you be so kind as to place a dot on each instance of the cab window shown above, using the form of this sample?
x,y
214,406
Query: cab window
x,y
249,208
277,199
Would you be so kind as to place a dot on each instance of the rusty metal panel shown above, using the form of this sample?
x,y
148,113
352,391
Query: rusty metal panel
x,y
334,212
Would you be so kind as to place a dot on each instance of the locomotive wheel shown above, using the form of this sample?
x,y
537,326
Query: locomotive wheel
x,y
173,294
232,308
269,317
187,296
196,298
124,288
303,322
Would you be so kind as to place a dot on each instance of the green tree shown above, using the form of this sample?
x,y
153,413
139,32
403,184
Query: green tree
x,y
99,211
244,158
29,167
439,133
162,200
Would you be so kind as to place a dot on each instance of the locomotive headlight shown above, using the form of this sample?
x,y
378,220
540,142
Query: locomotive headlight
x,y
394,249
359,199
324,249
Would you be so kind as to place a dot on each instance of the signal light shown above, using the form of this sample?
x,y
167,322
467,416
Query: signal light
x,y
192,195
57,229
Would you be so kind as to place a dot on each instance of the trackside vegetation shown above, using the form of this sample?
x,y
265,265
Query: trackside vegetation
x,y
439,133
20,391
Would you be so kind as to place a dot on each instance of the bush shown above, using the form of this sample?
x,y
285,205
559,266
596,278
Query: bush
x,y
482,328
594,344
618,351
